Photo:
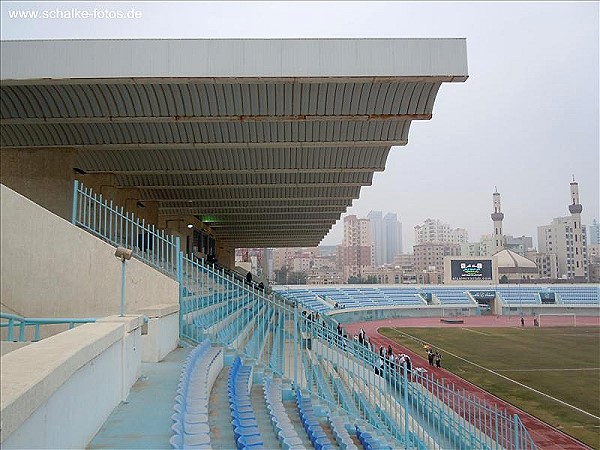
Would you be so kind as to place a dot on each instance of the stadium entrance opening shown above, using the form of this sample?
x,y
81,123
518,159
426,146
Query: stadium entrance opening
x,y
486,301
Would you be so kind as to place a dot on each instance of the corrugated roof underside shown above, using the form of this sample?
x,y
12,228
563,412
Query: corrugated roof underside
x,y
264,162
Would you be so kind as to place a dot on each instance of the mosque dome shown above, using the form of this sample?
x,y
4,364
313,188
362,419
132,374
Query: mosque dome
x,y
506,259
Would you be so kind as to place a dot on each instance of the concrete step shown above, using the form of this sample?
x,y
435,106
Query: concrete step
x,y
263,417
219,414
292,411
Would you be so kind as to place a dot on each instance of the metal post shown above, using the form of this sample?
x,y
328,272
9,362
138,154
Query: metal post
x,y
405,398
516,432
122,286
178,263
295,344
11,324
22,331
74,210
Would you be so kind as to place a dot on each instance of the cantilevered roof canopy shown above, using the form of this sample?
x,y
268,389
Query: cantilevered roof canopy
x,y
266,141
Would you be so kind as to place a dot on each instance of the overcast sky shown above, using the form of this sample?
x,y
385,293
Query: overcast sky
x,y
526,120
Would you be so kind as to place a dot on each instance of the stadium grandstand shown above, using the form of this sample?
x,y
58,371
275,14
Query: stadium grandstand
x,y
131,170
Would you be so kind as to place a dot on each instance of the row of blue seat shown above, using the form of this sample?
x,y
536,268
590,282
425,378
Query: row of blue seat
x,y
370,442
190,420
245,426
282,425
311,424
339,428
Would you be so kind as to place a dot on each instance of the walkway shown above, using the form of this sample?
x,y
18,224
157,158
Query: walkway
x,y
144,420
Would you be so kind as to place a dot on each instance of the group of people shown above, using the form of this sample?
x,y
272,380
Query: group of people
x,y
433,358
393,363
260,286
536,322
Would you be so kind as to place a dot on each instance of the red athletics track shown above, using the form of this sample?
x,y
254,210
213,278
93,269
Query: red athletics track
x,y
544,435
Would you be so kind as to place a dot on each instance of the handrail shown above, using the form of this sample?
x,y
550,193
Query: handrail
x,y
246,311
22,322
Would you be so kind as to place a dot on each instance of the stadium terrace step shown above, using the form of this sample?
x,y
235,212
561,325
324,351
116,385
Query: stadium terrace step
x,y
219,416
263,418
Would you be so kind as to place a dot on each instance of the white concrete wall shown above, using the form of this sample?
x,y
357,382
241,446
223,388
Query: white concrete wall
x,y
51,268
162,332
46,385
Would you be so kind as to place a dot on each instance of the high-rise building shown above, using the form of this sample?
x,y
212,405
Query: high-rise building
x,y
566,238
377,237
392,237
558,238
429,261
485,247
594,233
355,253
386,235
520,244
434,231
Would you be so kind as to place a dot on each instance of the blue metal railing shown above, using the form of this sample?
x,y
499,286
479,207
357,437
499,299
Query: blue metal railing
x,y
120,228
13,321
414,410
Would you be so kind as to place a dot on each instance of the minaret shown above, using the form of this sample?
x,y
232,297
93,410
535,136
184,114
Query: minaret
x,y
497,217
575,209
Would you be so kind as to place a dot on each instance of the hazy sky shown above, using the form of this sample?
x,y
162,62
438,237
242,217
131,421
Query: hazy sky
x,y
526,120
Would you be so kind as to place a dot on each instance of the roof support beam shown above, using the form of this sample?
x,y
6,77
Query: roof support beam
x,y
250,212
245,185
245,214
213,119
253,203
262,199
213,145
292,170
243,226
236,208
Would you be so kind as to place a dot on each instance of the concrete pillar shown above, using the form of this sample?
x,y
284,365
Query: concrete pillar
x,y
45,176
226,255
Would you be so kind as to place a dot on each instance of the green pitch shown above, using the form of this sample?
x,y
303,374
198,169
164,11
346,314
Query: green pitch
x,y
563,363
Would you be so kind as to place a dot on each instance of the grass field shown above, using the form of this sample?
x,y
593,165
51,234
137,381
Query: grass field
x,y
561,362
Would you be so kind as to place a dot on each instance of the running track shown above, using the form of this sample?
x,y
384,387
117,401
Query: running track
x,y
544,435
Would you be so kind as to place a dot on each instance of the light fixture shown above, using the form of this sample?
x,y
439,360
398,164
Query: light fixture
x,y
190,225
123,253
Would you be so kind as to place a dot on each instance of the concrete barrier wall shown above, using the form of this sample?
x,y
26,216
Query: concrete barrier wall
x,y
352,315
162,333
71,381
591,311
51,268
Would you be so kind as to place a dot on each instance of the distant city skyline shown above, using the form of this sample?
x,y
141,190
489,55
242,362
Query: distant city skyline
x,y
409,240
